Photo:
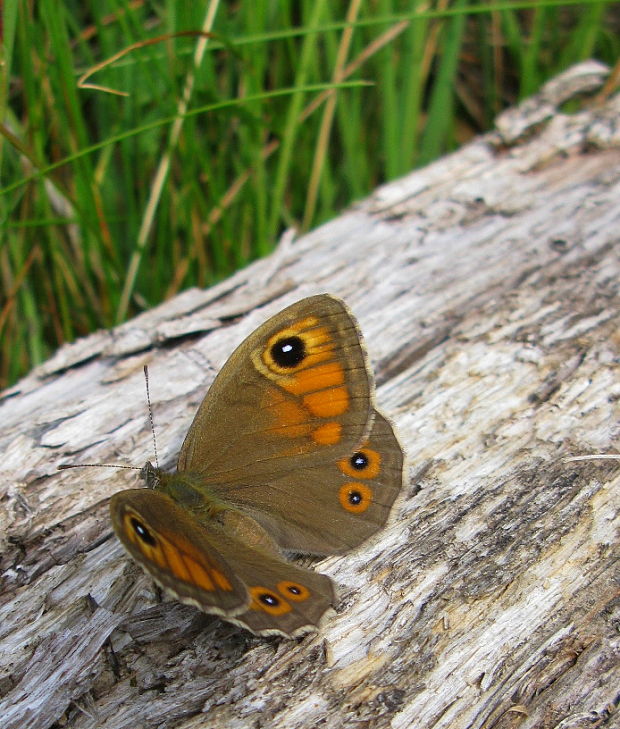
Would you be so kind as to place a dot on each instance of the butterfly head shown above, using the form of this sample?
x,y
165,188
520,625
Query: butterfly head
x,y
151,476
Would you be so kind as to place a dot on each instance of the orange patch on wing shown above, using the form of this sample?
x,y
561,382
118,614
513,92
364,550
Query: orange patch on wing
x,y
202,572
221,580
315,356
197,570
289,418
176,564
154,554
318,337
205,572
307,323
200,576
328,434
320,377
328,403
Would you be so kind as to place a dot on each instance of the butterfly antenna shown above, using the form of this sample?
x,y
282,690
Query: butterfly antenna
x,y
66,466
148,402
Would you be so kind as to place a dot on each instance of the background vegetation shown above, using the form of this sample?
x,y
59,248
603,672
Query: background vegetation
x,y
279,114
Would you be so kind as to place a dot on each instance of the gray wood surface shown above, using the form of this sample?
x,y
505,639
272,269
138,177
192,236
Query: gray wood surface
x,y
487,287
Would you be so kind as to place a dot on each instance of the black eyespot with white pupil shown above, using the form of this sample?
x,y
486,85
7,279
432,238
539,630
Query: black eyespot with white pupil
x,y
288,351
294,590
359,461
268,599
144,534
355,498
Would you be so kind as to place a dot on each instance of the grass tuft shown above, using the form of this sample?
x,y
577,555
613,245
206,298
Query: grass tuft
x,y
238,122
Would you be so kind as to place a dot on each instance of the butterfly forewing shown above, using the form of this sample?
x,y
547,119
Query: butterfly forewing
x,y
178,551
297,391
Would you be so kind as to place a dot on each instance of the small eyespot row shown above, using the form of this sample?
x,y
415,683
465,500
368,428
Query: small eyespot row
x,y
271,602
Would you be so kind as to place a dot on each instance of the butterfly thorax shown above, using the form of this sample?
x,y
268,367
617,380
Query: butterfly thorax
x,y
186,489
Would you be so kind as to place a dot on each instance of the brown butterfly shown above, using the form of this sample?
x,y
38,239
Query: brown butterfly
x,y
286,453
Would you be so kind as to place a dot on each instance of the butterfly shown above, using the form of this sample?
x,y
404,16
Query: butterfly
x,y
286,454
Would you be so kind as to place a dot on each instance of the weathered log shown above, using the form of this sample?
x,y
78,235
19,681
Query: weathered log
x,y
487,287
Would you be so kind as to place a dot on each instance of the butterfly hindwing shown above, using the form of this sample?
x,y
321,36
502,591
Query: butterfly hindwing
x,y
332,507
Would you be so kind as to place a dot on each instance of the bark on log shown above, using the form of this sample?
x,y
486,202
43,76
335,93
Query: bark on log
x,y
487,287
